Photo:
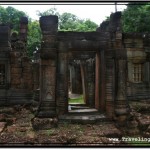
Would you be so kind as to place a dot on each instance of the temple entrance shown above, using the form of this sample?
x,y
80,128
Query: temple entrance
x,y
75,88
81,81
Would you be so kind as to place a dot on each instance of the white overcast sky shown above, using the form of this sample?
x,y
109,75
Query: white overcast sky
x,y
96,12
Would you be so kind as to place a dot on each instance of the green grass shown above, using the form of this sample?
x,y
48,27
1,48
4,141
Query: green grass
x,y
139,143
77,100
49,132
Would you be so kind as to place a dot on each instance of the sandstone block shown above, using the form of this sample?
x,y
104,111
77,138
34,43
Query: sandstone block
x,y
44,123
16,70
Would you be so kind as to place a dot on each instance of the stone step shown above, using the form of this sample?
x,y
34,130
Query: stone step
x,y
79,107
86,111
83,119
77,104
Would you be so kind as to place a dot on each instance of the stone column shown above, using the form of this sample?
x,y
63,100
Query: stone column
x,y
98,81
118,58
76,82
121,109
62,79
48,63
84,85
90,76
23,29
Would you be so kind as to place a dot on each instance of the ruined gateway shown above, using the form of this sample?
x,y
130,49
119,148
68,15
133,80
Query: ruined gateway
x,y
109,67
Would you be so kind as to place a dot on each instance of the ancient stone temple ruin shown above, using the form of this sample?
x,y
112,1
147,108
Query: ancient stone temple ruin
x,y
15,67
109,67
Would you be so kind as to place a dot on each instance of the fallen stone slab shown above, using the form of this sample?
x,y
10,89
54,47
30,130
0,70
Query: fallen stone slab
x,y
144,122
7,110
30,134
10,121
2,117
146,134
44,123
12,128
2,126
16,128
148,129
112,132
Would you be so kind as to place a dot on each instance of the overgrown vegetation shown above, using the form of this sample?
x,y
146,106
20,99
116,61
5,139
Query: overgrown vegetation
x,y
136,17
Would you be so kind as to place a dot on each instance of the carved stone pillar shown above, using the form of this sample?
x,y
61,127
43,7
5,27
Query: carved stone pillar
x,y
121,103
62,79
23,29
76,82
48,63
82,66
90,77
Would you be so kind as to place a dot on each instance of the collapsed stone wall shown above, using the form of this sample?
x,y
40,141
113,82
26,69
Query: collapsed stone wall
x,y
18,67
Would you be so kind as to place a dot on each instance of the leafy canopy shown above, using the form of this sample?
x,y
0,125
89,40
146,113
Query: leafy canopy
x,y
67,22
11,16
136,17
70,22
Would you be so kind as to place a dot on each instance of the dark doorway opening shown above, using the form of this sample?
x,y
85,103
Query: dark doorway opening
x,y
75,83
81,83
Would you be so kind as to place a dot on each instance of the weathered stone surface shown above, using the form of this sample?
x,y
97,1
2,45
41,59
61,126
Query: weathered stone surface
x,y
2,117
112,131
144,122
12,128
148,129
44,123
133,131
31,134
7,110
16,70
146,134
2,126
15,81
5,33
24,20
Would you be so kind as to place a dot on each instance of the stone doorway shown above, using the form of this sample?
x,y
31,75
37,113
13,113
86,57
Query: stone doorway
x,y
82,82
59,49
90,74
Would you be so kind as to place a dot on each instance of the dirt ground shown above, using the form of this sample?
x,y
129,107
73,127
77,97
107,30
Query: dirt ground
x,y
16,130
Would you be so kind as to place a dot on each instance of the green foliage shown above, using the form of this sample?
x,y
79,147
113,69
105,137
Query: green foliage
x,y
136,18
11,16
34,37
52,11
50,132
138,143
77,100
70,22
67,22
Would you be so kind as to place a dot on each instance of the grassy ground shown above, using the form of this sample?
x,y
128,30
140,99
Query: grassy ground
x,y
77,100
139,143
